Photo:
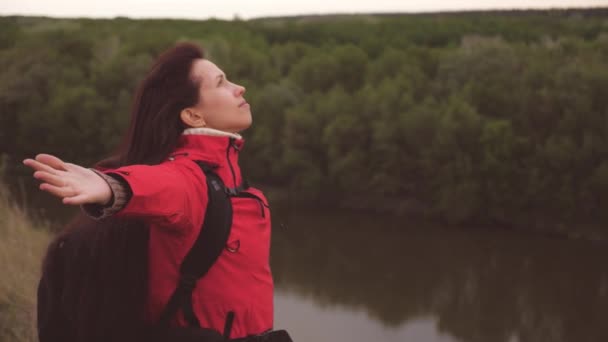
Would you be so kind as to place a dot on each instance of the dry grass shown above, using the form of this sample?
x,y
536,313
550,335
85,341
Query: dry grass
x,y
22,245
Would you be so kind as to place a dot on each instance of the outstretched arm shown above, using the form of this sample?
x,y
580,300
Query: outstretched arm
x,y
164,194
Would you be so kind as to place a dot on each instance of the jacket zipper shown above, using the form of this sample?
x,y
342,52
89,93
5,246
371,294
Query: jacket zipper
x,y
230,145
242,194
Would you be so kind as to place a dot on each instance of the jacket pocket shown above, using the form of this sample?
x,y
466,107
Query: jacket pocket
x,y
258,196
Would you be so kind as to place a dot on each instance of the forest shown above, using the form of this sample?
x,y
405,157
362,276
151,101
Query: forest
x,y
497,118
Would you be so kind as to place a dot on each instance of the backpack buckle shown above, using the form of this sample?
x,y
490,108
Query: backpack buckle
x,y
231,192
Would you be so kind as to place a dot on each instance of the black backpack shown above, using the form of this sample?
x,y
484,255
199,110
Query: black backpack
x,y
205,251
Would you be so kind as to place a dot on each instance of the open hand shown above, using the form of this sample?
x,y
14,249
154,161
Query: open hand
x,y
72,183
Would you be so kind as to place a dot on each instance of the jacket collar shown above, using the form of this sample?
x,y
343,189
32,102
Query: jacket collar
x,y
210,145
211,132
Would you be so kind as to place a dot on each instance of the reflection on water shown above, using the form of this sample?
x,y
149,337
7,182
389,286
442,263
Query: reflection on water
x,y
359,278
307,321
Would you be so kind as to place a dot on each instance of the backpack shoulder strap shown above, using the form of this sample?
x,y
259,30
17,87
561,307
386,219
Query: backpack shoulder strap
x,y
206,249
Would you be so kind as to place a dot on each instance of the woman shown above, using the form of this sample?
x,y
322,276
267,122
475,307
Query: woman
x,y
151,197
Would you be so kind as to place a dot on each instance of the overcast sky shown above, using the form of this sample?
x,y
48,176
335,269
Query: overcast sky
x,y
227,9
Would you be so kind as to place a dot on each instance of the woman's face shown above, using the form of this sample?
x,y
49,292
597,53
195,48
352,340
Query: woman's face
x,y
221,103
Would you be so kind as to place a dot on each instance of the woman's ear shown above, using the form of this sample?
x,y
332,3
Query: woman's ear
x,y
192,118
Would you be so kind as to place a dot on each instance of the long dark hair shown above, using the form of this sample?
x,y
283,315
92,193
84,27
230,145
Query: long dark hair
x,y
95,273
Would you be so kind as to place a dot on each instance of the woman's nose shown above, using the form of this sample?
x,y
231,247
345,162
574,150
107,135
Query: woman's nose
x,y
240,90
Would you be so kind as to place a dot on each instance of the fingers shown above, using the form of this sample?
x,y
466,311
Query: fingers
x,y
50,178
51,161
46,162
56,190
38,166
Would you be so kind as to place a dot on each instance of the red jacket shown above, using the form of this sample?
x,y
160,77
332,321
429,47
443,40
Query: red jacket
x,y
171,197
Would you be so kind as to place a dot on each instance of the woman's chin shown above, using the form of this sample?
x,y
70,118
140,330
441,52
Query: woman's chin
x,y
242,125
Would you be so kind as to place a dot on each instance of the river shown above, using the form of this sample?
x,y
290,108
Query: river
x,y
351,276
355,277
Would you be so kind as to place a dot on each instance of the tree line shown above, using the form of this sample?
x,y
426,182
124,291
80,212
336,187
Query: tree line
x,y
491,118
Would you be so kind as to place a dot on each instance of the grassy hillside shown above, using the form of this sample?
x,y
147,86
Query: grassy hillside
x,y
22,244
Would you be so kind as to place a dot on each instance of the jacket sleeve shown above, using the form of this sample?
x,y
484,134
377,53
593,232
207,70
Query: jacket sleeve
x,y
121,194
172,194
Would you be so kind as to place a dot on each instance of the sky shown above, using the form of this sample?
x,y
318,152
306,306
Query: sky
x,y
247,9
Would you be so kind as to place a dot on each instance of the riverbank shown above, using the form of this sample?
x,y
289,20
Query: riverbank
x,y
22,245
411,210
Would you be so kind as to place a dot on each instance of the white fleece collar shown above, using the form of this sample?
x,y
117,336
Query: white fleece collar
x,y
210,131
